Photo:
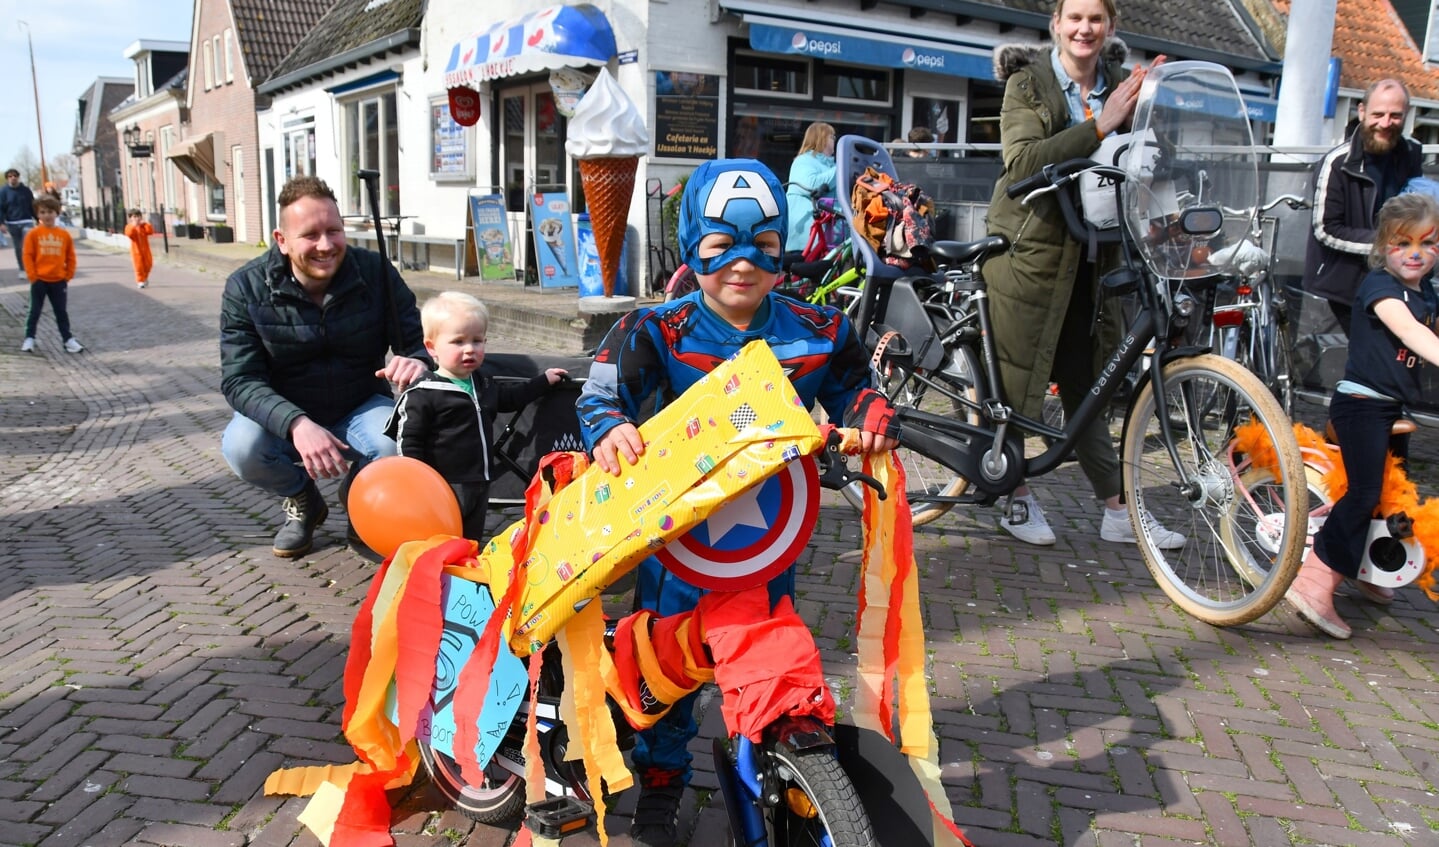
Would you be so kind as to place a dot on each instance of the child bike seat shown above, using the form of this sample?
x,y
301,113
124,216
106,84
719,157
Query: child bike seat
x,y
854,153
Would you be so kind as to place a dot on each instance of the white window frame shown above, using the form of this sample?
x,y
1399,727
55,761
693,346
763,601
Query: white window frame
x,y
210,214
208,54
167,141
294,132
229,55
353,199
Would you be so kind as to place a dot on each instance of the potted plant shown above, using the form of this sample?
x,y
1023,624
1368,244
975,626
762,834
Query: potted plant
x,y
194,230
222,234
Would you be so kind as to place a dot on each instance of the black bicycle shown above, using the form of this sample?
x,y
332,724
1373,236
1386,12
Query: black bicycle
x,y
962,441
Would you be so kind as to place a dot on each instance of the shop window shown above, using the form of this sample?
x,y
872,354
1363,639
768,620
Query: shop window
x,y
774,76
851,84
985,99
300,148
214,199
372,142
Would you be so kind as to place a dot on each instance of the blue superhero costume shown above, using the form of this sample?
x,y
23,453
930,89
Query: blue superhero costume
x,y
653,354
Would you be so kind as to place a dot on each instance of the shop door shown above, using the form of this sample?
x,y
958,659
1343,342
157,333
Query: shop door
x,y
532,157
532,142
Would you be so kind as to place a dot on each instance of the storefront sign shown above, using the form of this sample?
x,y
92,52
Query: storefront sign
x,y
554,240
952,60
686,115
491,232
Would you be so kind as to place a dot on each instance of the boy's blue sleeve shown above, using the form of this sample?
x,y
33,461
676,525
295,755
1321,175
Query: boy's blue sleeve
x,y
625,373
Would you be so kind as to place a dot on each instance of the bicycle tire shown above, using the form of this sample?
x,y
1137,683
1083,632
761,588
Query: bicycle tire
x,y
681,283
926,478
1206,576
1257,481
838,819
491,803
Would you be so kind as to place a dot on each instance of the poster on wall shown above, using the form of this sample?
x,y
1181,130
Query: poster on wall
x,y
554,240
492,237
686,115
449,158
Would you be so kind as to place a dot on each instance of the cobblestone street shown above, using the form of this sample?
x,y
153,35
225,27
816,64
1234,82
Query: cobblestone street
x,y
159,662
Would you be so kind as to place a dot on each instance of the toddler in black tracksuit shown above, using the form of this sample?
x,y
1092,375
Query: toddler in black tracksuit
x,y
447,419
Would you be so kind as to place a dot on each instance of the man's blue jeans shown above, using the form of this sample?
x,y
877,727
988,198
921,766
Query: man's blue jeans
x,y
17,239
273,464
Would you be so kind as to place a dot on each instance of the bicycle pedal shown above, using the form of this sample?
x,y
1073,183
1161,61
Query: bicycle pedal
x,y
557,817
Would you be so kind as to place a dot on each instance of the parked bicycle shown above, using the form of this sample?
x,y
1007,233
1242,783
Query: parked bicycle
x,y
1177,442
1250,318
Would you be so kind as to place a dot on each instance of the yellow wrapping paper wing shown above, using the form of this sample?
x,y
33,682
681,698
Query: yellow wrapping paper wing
x,y
739,424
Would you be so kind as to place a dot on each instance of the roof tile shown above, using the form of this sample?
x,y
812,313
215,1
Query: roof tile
x,y
269,29
1373,43
350,24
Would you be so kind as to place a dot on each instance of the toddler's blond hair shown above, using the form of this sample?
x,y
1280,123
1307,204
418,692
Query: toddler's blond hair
x,y
448,304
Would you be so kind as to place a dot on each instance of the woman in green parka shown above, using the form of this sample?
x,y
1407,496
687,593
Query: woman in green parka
x,y
1058,105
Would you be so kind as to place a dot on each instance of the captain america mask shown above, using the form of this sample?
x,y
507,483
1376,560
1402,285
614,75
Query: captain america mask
x,y
740,198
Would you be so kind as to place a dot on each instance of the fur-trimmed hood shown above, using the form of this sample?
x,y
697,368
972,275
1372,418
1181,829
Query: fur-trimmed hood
x,y
1009,58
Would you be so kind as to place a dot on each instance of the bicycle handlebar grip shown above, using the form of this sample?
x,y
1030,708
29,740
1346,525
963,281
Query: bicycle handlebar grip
x,y
1051,174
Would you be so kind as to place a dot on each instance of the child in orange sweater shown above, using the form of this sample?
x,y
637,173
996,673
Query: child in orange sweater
x,y
138,230
49,264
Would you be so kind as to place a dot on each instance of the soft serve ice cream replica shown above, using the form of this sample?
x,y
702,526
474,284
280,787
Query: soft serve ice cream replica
x,y
607,135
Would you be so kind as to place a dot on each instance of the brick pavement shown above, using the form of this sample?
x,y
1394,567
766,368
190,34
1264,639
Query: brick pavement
x,y
160,662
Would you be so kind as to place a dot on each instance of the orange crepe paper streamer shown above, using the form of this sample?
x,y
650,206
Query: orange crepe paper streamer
x,y
421,620
1398,495
583,709
894,645
534,762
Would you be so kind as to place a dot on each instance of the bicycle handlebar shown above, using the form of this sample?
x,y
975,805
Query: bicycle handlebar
x,y
1055,175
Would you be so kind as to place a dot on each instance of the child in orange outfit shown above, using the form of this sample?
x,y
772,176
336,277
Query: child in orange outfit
x,y
49,255
138,230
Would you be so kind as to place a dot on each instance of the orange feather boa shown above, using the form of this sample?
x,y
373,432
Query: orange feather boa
x,y
1399,495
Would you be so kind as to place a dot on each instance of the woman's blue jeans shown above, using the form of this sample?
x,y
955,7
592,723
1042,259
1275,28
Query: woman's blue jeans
x,y
273,463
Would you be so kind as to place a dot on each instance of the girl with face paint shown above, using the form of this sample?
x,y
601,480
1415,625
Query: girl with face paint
x,y
1390,339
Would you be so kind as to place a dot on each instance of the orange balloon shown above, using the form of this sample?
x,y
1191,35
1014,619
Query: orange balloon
x,y
398,499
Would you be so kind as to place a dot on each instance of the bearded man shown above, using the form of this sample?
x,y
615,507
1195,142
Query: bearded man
x,y
1350,184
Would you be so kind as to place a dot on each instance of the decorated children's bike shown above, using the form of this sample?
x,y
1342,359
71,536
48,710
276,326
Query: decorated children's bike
x,y
496,668
1403,542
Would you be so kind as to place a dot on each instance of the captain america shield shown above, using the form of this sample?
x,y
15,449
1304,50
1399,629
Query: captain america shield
x,y
754,536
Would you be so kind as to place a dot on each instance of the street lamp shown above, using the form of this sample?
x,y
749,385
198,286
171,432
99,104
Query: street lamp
x,y
140,149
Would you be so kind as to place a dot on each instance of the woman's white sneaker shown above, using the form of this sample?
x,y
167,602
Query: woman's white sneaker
x,y
1025,520
27,346
1117,528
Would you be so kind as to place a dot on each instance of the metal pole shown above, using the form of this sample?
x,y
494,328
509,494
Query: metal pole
x,y
1299,119
39,131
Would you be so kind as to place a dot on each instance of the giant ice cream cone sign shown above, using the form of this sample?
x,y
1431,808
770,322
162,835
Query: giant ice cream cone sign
x,y
608,136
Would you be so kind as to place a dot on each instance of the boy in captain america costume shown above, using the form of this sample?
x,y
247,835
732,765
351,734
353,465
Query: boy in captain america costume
x,y
731,232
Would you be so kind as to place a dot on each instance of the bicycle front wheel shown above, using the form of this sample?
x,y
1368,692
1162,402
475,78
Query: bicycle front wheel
x,y
817,802
1243,542
500,798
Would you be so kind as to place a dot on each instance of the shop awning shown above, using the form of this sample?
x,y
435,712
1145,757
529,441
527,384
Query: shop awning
x,y
195,157
1260,108
554,37
875,49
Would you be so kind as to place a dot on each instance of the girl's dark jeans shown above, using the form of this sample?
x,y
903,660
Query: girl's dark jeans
x,y
56,291
1362,427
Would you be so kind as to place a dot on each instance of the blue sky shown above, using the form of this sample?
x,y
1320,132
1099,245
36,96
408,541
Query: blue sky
x,y
75,41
